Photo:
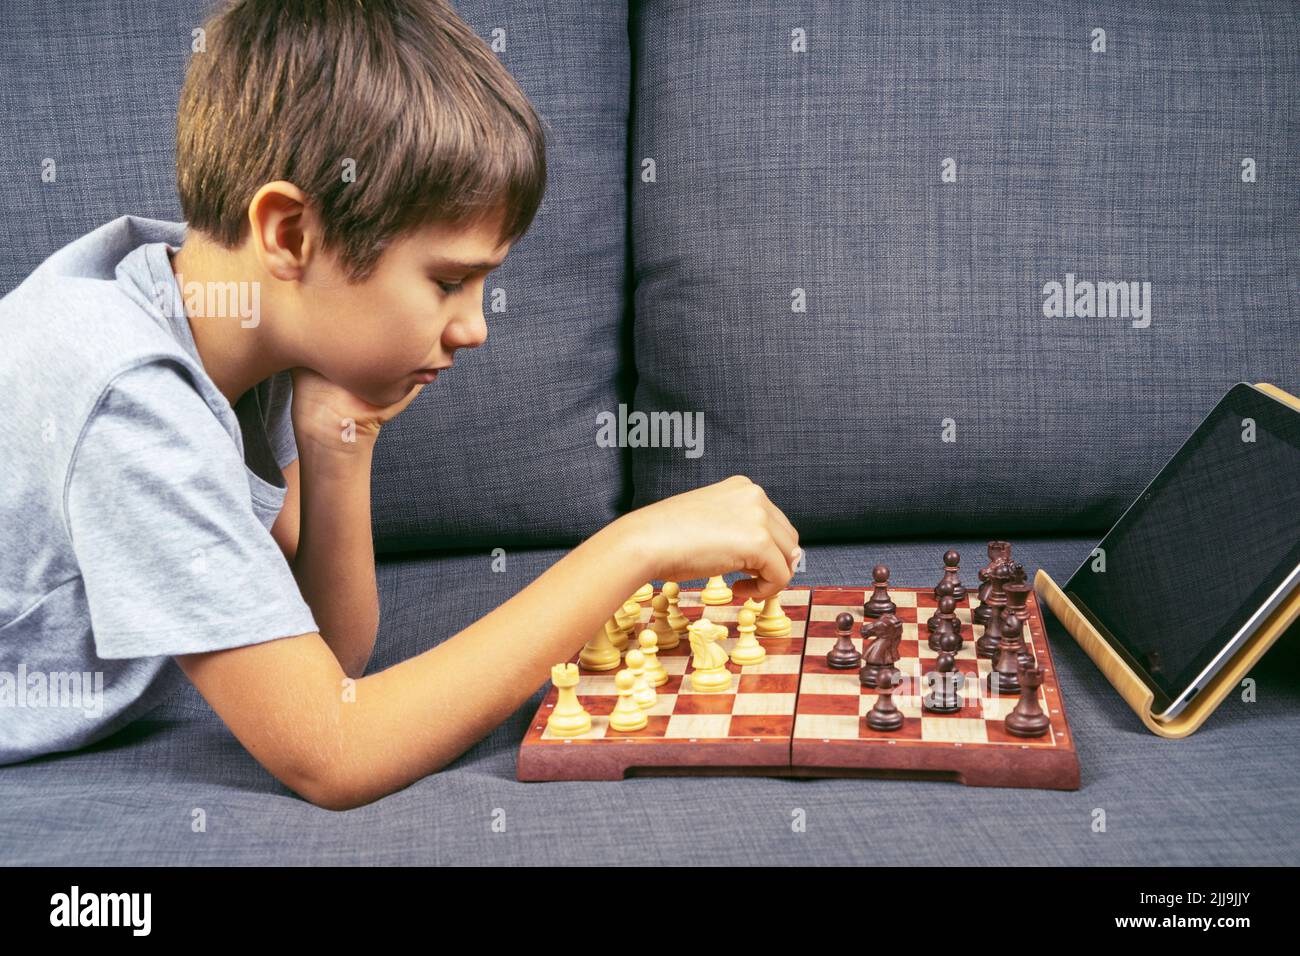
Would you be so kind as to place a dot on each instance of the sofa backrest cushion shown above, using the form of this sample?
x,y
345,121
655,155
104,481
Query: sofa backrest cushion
x,y
847,226
502,449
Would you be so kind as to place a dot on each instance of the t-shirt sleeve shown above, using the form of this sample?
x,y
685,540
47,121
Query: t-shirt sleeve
x,y
279,418
173,558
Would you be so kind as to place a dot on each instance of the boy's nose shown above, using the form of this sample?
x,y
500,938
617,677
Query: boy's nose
x,y
468,330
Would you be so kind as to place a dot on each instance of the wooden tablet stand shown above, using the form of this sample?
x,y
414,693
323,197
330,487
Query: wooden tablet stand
x,y
1137,694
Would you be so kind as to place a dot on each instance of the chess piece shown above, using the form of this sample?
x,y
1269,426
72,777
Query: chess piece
x,y
880,655
719,630
710,675
747,649
951,562
600,653
568,717
1027,718
1017,593
843,655
642,690
998,550
676,619
715,592
884,716
654,668
947,619
627,715
665,637
944,696
944,636
755,606
995,602
773,622
879,603
1004,678
627,617
644,593
940,589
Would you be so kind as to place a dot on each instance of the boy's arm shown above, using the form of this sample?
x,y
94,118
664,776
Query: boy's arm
x,y
341,744
285,529
334,559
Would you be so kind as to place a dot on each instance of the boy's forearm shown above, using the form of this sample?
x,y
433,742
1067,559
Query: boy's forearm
x,y
335,562
417,716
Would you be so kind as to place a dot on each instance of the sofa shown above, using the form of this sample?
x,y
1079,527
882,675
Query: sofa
x,y
828,230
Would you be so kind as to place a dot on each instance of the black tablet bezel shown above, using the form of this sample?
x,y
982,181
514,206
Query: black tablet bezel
x,y
1242,400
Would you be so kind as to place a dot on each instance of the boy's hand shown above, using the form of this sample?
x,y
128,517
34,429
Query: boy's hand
x,y
321,410
727,526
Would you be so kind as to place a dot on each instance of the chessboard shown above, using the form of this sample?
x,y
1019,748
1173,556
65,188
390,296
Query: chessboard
x,y
793,715
971,743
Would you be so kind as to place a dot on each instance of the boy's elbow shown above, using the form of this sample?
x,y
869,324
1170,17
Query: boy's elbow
x,y
335,789
332,790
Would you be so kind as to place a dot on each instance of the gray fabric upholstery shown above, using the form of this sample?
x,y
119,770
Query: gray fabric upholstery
x,y
820,171
501,450
1225,795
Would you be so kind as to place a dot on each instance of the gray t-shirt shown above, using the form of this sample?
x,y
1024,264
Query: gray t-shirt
x,y
135,502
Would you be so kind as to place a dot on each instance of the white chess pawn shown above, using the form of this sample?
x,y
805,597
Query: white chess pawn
x,y
627,715
747,649
773,622
716,591
644,593
666,637
600,653
568,717
654,668
642,691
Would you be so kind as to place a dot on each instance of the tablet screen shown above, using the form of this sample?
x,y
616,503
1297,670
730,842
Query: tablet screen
x,y
1204,546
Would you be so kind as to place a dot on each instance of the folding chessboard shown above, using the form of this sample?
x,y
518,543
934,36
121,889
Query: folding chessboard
x,y
792,715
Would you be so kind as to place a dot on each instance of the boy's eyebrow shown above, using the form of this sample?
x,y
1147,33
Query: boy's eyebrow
x,y
465,266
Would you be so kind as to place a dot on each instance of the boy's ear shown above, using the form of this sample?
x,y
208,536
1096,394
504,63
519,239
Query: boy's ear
x,y
282,228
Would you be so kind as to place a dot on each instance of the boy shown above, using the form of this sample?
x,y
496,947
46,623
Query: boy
x,y
196,486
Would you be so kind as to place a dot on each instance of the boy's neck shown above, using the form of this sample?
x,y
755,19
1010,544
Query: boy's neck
x,y
237,349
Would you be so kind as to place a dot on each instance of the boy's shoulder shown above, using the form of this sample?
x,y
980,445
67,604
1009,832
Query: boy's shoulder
x,y
93,309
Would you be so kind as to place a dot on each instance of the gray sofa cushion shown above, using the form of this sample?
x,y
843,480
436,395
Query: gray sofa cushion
x,y
820,171
502,450
1224,795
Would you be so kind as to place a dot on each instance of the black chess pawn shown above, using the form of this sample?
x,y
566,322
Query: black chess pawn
x,y
1027,718
946,619
942,589
944,696
1004,678
951,577
843,655
884,716
880,602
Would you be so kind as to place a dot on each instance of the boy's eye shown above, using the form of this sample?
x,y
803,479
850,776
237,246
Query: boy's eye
x,y
451,288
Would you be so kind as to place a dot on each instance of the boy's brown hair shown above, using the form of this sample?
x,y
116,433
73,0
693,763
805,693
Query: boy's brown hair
x,y
437,129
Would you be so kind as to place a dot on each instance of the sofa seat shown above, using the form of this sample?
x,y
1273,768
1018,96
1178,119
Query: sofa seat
x,y
1225,795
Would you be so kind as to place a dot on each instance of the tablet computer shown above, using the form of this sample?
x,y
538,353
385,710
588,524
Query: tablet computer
x,y
1195,565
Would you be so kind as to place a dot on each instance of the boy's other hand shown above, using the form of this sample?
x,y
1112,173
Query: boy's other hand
x,y
321,410
727,526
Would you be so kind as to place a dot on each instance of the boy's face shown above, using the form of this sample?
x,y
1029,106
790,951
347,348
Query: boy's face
x,y
424,300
